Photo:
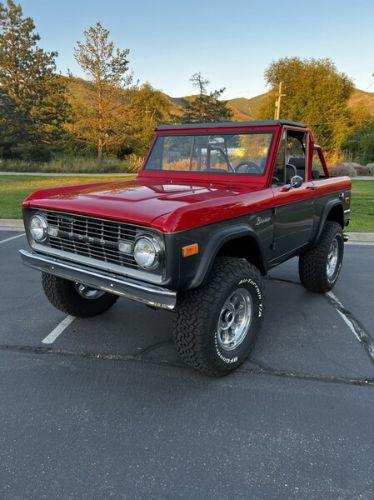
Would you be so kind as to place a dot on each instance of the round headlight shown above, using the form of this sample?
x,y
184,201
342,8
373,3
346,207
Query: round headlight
x,y
38,227
147,252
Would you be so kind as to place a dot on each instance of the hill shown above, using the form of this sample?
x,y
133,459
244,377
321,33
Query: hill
x,y
362,98
243,108
247,109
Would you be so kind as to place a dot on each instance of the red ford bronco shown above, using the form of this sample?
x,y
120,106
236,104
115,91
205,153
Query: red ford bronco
x,y
214,207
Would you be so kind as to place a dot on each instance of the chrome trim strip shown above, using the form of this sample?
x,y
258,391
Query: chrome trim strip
x,y
347,211
91,217
99,264
136,290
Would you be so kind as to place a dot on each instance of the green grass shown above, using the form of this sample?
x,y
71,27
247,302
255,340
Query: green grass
x,y
362,207
14,189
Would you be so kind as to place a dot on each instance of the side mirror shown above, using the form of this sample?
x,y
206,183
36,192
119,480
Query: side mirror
x,y
296,181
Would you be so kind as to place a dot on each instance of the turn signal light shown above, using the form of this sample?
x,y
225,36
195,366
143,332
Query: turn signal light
x,y
189,250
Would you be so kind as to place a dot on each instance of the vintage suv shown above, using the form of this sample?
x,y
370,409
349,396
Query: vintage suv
x,y
214,207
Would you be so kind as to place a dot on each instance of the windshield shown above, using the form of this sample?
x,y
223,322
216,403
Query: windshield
x,y
219,153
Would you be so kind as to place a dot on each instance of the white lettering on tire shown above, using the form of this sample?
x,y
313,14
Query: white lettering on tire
x,y
225,360
258,291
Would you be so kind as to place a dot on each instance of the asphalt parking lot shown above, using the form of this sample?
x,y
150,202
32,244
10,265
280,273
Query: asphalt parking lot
x,y
107,409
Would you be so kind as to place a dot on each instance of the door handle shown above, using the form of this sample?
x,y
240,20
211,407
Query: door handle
x,y
312,188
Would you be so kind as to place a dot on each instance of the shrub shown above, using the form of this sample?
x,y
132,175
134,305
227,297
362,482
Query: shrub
x,y
32,152
135,163
370,168
72,165
360,169
343,169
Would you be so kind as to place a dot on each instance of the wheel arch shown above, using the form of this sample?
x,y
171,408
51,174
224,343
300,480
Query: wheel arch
x,y
333,211
238,241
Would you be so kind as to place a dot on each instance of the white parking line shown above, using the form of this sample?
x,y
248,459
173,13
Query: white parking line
x,y
334,298
349,324
12,238
345,318
56,332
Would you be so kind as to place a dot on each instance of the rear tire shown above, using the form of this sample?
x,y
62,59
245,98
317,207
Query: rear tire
x,y
217,324
64,295
319,268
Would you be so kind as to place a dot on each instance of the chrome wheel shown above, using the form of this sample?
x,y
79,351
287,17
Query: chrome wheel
x,y
87,292
234,319
332,258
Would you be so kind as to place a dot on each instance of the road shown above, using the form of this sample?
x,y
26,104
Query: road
x,y
107,409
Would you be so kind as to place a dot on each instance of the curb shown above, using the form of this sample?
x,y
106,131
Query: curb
x,y
11,225
354,238
360,238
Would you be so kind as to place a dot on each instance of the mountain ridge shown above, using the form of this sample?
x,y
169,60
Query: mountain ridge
x,y
243,108
246,108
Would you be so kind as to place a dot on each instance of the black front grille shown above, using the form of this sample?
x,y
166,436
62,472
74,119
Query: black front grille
x,y
89,237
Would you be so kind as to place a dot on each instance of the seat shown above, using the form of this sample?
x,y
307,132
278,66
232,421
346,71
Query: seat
x,y
299,164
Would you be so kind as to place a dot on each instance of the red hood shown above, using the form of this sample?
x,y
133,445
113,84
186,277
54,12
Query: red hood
x,y
168,207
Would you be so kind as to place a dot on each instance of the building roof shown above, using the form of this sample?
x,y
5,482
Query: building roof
x,y
261,123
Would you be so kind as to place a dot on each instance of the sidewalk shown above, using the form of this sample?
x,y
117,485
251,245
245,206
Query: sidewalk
x,y
360,238
11,225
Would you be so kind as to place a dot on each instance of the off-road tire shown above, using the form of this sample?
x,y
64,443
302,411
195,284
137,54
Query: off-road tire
x,y
313,263
198,312
63,295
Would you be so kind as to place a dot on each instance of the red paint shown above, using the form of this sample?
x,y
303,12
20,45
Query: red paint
x,y
171,202
322,159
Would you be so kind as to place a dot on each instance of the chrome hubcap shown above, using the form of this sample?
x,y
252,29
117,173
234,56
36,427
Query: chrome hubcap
x,y
87,292
332,258
234,319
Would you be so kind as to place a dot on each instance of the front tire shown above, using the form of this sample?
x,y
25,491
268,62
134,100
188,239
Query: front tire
x,y
74,298
217,324
319,268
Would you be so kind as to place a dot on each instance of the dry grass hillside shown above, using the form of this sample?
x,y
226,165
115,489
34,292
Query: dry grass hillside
x,y
366,99
243,108
247,109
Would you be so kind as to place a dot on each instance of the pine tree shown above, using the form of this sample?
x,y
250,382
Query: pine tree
x,y
33,107
206,106
102,123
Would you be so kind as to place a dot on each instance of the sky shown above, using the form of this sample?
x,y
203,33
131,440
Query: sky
x,y
230,42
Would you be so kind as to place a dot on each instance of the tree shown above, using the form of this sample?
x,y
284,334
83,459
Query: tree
x,y
359,145
33,106
103,121
316,94
205,107
148,108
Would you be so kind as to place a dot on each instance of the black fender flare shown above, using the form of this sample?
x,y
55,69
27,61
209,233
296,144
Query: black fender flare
x,y
326,210
214,245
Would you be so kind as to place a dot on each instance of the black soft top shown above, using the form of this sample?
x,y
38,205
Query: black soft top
x,y
261,123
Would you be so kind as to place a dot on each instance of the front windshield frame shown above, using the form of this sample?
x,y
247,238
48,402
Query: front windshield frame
x,y
269,132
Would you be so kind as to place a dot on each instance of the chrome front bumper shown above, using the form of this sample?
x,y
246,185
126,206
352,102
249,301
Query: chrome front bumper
x,y
139,291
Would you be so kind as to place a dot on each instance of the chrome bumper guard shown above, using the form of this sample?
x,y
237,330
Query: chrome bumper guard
x,y
136,290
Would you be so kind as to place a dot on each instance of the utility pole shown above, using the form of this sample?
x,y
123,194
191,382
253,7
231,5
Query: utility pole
x,y
278,102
